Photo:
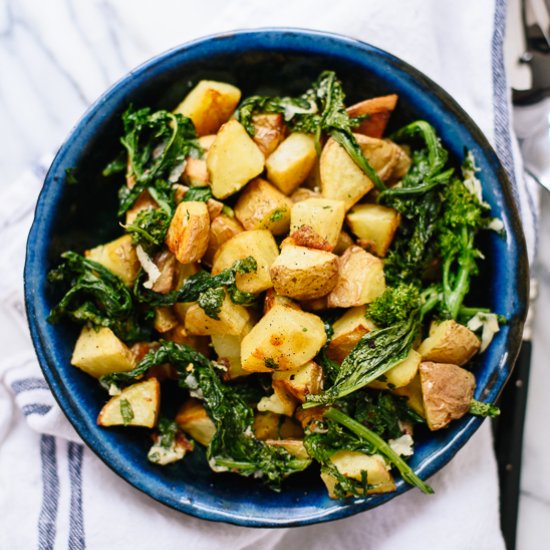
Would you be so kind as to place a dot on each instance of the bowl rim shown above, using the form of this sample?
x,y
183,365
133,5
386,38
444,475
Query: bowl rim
x,y
32,262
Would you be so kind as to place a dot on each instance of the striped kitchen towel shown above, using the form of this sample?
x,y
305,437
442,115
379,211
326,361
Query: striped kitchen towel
x,y
55,493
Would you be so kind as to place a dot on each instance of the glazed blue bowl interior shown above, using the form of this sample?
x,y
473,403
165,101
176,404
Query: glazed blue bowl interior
x,y
268,61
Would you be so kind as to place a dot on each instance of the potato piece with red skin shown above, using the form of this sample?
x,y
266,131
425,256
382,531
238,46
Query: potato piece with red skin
x,y
360,279
304,273
269,131
378,110
447,391
222,228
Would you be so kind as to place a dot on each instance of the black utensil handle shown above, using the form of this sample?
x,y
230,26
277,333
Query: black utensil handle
x,y
508,430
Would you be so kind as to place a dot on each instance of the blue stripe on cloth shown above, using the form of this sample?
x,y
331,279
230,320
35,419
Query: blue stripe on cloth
x,y
36,408
503,139
76,520
50,494
27,384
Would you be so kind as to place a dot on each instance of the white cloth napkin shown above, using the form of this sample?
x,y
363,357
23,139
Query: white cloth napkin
x,y
55,493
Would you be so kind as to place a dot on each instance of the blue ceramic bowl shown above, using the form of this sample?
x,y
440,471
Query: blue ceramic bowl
x,y
78,216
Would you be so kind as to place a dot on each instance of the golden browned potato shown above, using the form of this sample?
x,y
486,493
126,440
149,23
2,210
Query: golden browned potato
x,y
449,342
305,236
447,391
272,299
99,352
402,164
222,228
304,273
360,279
136,405
180,336
209,104
268,425
169,272
351,464
233,160
263,206
348,330
300,382
232,319
119,257
165,319
193,419
324,216
280,402
259,244
312,419
283,339
378,110
413,392
295,447
375,225
400,375
342,179
189,230
289,165
269,131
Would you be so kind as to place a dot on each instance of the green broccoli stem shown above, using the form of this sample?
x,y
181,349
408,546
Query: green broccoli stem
x,y
380,445
455,293
348,142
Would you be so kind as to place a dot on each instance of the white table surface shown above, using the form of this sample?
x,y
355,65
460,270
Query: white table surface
x,y
57,57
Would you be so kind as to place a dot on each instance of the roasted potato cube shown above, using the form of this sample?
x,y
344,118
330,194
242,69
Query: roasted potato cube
x,y
268,425
119,257
360,279
209,104
228,350
272,299
348,330
280,402
289,165
324,216
180,336
304,273
269,131
375,225
222,228
351,464
449,342
233,160
402,164
300,382
168,267
232,319
99,352
342,179
193,419
165,319
189,230
263,206
259,244
295,447
318,304
283,339
136,405
447,391
413,392
379,110
400,375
